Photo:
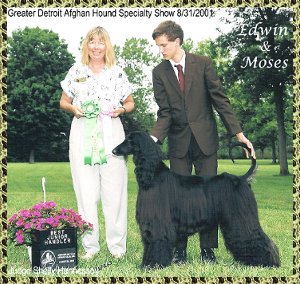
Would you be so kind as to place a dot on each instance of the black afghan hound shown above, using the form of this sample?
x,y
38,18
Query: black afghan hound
x,y
169,205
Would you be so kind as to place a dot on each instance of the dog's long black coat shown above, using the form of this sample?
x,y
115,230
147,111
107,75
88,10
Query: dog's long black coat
x,y
169,205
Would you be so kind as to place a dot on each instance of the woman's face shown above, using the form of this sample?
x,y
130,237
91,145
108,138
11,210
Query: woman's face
x,y
96,49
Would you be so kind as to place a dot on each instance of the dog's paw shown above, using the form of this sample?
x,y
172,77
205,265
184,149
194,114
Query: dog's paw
x,y
150,267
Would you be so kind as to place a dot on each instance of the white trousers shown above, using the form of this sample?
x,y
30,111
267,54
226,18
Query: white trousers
x,y
107,182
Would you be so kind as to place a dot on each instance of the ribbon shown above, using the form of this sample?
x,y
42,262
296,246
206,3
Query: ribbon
x,y
106,121
94,152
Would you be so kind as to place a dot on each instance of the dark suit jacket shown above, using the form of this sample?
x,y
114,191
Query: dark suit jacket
x,y
180,115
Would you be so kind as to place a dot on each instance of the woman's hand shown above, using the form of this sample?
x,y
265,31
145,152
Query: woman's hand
x,y
66,104
128,106
77,111
118,111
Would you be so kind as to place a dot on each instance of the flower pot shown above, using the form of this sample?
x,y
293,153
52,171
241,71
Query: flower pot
x,y
54,248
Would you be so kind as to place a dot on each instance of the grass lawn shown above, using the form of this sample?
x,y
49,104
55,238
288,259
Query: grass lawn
x,y
275,205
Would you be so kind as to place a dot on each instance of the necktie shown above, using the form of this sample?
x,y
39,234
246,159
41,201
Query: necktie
x,y
180,77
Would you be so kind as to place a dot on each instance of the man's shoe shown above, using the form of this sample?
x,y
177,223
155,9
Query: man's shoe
x,y
207,255
179,257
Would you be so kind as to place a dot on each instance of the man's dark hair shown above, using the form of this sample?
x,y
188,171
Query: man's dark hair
x,y
170,29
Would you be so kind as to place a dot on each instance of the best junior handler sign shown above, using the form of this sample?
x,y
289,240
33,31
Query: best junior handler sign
x,y
54,249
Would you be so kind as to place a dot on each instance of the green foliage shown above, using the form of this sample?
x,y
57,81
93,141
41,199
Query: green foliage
x,y
37,62
188,45
138,61
220,56
261,46
244,42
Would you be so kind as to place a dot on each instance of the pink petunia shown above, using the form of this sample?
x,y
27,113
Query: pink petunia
x,y
50,220
40,224
20,222
72,211
27,226
24,213
13,218
19,237
36,213
43,216
64,210
49,204
37,207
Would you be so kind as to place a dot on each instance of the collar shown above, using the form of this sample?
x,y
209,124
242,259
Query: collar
x,y
181,62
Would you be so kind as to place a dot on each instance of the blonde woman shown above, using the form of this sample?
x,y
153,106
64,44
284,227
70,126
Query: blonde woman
x,y
97,93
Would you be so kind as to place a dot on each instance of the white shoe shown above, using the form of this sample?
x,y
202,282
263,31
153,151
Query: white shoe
x,y
118,255
89,255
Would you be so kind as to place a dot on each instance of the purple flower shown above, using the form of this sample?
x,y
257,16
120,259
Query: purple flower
x,y
39,226
36,213
27,226
37,207
13,218
64,210
52,221
24,213
43,216
49,204
20,222
19,237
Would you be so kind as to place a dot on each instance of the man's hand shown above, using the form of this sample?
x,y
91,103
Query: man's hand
x,y
242,138
154,138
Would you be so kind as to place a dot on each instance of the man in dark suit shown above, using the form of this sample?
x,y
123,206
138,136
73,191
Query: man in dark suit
x,y
186,88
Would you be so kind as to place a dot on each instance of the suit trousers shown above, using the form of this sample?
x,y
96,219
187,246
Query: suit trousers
x,y
204,166
106,182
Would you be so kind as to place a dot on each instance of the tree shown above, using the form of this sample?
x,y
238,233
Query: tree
x,y
261,40
137,60
258,121
37,61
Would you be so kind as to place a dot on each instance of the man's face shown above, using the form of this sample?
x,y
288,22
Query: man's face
x,y
167,48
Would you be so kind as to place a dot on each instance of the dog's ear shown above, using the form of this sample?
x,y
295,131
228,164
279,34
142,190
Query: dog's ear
x,y
147,158
147,147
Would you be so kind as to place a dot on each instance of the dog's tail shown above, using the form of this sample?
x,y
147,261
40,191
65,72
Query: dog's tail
x,y
249,175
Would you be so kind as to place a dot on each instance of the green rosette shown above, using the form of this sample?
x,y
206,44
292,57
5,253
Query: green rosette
x,y
94,152
90,109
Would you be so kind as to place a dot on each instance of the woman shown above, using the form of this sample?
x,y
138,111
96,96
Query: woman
x,y
97,92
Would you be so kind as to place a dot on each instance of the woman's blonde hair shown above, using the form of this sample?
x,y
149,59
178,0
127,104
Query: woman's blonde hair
x,y
104,37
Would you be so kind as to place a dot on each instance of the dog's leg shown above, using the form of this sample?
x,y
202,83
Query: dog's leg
x,y
157,229
255,249
157,254
243,235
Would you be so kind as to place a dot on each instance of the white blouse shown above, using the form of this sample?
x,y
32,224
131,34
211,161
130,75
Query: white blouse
x,y
110,87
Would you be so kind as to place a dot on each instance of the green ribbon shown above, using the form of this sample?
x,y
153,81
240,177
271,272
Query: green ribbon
x,y
94,152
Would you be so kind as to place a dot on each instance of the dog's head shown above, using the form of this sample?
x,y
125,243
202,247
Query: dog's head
x,y
128,146
147,155
138,142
